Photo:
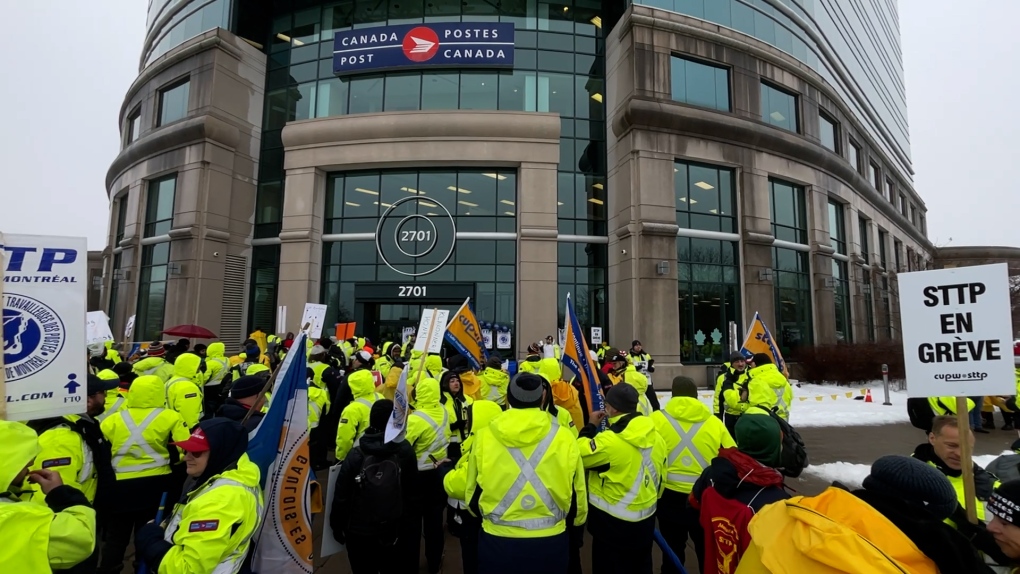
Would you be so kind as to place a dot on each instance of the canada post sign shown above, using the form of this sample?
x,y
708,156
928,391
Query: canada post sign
x,y
442,44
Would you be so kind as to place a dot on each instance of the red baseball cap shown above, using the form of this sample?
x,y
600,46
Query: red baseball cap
x,y
195,443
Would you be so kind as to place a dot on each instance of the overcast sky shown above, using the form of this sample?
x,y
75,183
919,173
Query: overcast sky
x,y
63,91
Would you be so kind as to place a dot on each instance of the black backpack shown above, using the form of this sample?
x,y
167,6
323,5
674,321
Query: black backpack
x,y
378,504
794,456
920,412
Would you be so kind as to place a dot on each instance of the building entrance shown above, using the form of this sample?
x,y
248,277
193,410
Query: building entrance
x,y
384,310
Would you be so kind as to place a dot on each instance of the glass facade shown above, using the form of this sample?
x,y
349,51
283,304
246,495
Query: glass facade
x,y
708,270
159,206
476,200
152,276
581,271
840,272
700,84
187,22
173,102
864,37
778,108
118,236
791,267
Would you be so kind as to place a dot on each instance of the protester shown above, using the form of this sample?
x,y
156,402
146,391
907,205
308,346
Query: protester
x,y
767,386
456,405
1004,506
390,355
140,436
523,448
116,399
464,525
217,377
892,525
626,465
530,362
211,526
731,396
428,431
693,438
244,395
494,380
943,451
98,359
564,395
154,363
38,538
735,486
354,420
375,505
184,389
625,372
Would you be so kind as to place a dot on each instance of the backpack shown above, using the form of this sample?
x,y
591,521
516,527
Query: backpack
x,y
794,455
920,412
724,522
378,505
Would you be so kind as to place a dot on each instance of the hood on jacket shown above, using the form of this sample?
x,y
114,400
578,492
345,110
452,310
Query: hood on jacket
x,y
148,363
564,394
147,392
371,443
426,393
687,409
733,471
769,374
550,369
482,413
386,348
108,375
20,446
255,369
228,442
819,533
362,383
638,431
632,377
444,385
216,350
186,365
521,427
434,364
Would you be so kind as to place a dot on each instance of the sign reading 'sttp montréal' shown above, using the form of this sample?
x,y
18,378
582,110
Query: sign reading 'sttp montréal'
x,y
957,334
439,44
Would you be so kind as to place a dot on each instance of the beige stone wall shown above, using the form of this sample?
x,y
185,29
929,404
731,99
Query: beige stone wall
x,y
214,153
528,142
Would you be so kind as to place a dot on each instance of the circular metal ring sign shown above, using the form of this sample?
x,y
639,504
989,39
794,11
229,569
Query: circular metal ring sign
x,y
430,236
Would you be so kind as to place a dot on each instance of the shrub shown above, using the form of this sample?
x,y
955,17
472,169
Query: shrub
x,y
846,364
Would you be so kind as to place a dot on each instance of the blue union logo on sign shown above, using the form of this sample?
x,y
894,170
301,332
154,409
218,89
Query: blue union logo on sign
x,y
445,44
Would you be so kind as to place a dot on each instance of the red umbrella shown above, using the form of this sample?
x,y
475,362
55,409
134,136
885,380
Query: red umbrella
x,y
190,332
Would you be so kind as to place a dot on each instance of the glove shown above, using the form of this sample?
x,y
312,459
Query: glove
x,y
150,545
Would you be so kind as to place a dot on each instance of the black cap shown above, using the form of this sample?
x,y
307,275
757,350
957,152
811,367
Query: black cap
x,y
525,391
761,359
916,483
737,356
623,398
247,387
635,343
1005,502
97,385
684,387
380,413
458,364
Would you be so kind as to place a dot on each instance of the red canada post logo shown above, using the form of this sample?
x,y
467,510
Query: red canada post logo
x,y
420,44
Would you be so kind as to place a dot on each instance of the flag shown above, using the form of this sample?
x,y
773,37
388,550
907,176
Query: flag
x,y
759,340
398,418
279,446
465,335
577,358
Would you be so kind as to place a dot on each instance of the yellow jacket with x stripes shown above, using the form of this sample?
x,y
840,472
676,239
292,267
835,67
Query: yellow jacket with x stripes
x,y
693,438
142,430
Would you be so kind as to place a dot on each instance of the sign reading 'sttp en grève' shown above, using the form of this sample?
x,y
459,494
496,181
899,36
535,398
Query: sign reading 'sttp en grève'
x,y
957,333
439,44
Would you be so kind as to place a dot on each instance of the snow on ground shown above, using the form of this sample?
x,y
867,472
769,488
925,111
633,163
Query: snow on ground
x,y
852,475
830,406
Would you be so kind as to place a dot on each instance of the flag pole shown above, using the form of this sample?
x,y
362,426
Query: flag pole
x,y
425,353
966,458
269,384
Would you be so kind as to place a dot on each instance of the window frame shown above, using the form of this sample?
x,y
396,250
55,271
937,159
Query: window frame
x,y
134,120
824,116
875,177
151,226
796,106
185,81
856,147
708,64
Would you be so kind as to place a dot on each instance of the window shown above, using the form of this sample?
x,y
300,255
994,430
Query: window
x,y
873,176
134,126
152,280
265,276
173,102
828,132
913,215
708,273
889,193
911,260
865,243
903,205
791,267
159,208
897,255
924,227
700,84
883,241
840,271
778,107
853,155
121,220
866,298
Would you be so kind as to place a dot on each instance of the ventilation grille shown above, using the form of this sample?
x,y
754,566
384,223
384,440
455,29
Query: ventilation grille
x,y
232,312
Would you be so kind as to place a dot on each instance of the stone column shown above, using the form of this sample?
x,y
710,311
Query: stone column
x,y
823,297
301,242
538,304
756,234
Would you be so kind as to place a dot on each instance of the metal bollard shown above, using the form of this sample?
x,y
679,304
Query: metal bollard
x,y
885,384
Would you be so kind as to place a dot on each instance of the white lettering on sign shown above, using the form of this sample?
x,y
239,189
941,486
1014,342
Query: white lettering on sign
x,y
368,39
413,291
957,331
475,54
425,235
356,59
472,34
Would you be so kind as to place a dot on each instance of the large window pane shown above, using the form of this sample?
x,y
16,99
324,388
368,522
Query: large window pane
x,y
828,133
366,95
440,91
403,92
173,103
778,108
700,84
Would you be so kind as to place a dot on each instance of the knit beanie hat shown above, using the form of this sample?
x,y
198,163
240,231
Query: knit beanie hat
x,y
525,391
914,482
380,414
684,387
155,350
760,437
494,362
248,386
761,359
623,398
